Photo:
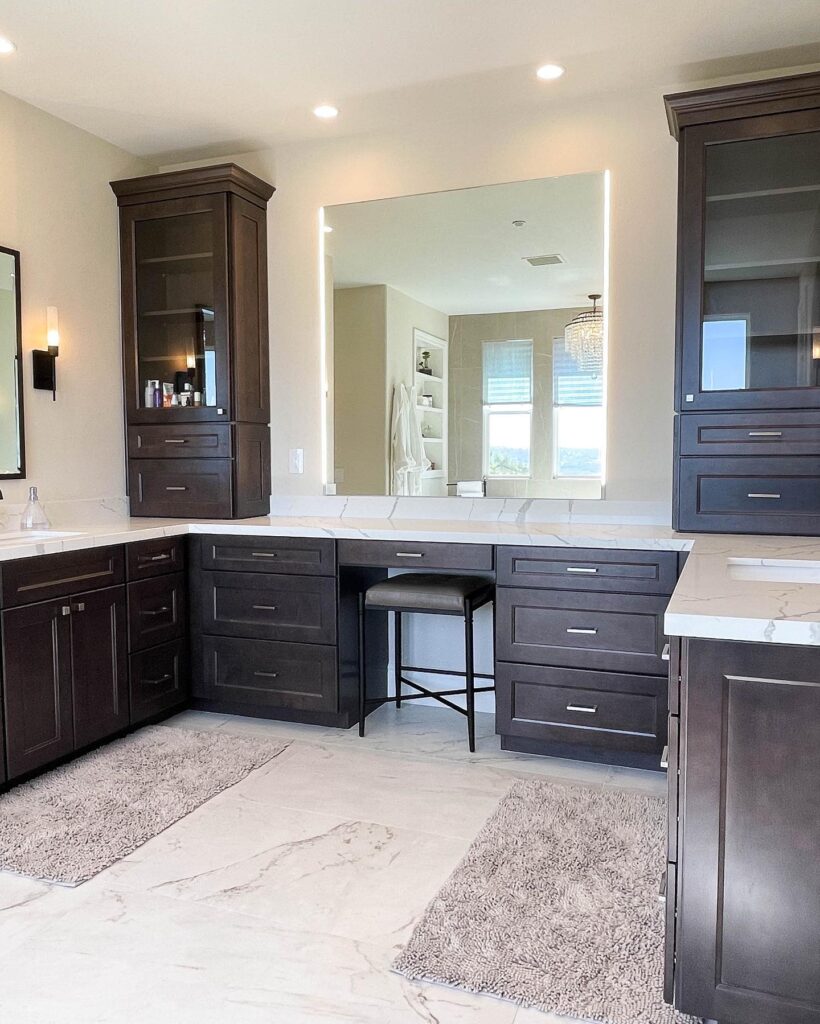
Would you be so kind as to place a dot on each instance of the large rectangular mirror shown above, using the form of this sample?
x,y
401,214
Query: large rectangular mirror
x,y
465,354
12,463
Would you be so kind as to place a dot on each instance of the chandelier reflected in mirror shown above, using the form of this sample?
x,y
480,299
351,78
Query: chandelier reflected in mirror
x,y
584,338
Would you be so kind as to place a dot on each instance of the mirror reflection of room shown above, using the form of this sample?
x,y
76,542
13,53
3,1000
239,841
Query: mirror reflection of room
x,y
467,346
11,457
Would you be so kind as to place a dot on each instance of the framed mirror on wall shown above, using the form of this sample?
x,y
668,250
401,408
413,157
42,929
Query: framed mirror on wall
x,y
466,341
12,455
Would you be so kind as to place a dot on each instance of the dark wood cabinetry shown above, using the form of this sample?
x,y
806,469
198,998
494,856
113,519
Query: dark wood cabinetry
x,y
744,921
195,320
579,652
747,394
65,683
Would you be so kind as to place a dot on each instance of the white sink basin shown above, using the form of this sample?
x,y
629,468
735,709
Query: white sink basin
x,y
32,536
775,570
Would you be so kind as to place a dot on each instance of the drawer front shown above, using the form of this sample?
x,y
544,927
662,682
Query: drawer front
x,y
26,580
149,558
635,572
750,433
295,555
618,632
195,488
670,925
159,679
780,496
301,609
596,709
156,611
180,441
300,677
406,554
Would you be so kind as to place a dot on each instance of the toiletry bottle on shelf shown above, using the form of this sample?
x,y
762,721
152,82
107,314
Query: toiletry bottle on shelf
x,y
34,516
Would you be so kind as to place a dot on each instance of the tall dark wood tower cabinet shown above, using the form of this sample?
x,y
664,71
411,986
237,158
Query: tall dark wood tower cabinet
x,y
747,391
195,342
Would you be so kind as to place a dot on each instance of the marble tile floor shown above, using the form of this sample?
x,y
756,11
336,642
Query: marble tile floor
x,y
284,898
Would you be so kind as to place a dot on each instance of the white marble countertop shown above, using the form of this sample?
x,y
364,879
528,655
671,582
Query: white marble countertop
x,y
759,589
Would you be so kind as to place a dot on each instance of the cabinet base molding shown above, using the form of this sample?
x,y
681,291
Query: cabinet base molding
x,y
575,752
331,719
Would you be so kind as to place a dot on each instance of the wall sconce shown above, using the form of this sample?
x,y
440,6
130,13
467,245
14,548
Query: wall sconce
x,y
45,363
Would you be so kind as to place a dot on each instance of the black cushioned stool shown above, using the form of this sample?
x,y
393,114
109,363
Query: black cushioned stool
x,y
429,594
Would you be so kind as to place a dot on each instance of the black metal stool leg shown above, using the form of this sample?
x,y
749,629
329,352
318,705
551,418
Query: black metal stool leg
x,y
470,675
397,657
362,672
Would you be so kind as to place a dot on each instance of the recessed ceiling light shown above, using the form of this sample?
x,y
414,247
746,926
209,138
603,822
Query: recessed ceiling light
x,y
6,45
549,72
326,111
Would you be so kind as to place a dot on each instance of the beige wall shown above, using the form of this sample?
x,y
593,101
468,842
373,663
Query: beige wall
x,y
467,335
361,408
624,133
57,209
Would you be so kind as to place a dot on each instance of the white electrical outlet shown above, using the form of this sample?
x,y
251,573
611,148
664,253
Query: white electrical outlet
x,y
296,460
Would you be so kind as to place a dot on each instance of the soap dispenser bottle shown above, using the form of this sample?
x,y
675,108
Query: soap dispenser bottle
x,y
34,516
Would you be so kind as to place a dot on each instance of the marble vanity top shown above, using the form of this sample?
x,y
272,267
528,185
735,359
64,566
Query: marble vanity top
x,y
760,589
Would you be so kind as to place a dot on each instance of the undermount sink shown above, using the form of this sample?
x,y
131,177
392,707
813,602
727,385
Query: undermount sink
x,y
28,536
775,570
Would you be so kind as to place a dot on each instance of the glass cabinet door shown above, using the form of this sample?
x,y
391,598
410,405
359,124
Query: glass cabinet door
x,y
758,321
179,363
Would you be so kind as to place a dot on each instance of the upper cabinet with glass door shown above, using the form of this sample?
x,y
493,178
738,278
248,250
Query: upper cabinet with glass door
x,y
749,250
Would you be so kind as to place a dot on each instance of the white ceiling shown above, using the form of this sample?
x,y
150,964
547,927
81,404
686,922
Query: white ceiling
x,y
198,77
459,251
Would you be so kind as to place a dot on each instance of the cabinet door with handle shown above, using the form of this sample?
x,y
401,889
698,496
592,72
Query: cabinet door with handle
x,y
37,685
99,664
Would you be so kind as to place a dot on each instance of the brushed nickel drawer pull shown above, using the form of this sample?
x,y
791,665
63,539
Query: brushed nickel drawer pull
x,y
264,554
666,653
761,494
156,682
155,611
580,568
665,757
78,607
409,554
588,709
176,440
264,607
268,675
158,558
176,488
65,610
582,630
765,433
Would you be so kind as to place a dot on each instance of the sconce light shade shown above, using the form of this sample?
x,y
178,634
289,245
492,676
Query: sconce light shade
x,y
44,364
52,330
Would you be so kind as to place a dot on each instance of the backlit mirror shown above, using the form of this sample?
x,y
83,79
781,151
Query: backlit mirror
x,y
11,403
466,341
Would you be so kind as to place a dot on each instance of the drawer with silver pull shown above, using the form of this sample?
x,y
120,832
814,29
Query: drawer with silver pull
x,y
180,441
301,556
262,673
148,558
188,488
750,433
617,632
564,705
621,571
158,679
762,495
156,611
415,554
300,609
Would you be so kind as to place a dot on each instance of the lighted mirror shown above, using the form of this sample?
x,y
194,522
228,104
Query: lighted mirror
x,y
466,341
11,402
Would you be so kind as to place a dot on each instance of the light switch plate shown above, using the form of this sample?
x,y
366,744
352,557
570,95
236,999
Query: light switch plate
x,y
296,460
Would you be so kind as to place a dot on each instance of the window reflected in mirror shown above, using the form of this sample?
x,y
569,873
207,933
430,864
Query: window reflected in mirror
x,y
451,368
